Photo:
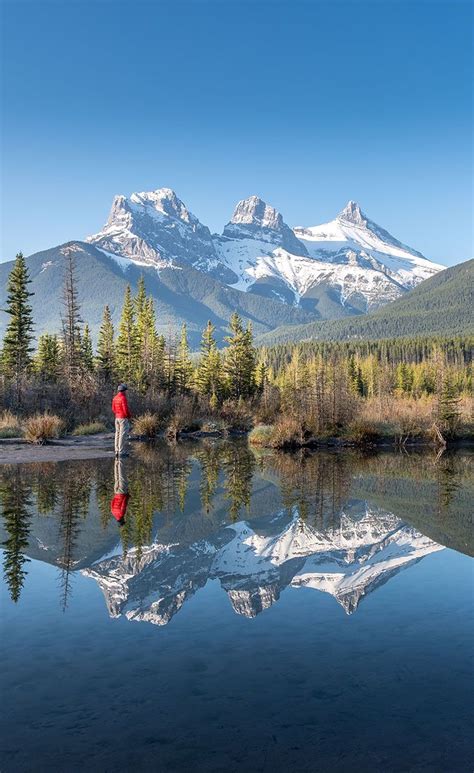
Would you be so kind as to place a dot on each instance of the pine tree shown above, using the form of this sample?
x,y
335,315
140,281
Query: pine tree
x,y
146,338
106,348
184,366
448,406
127,348
239,359
208,378
169,364
87,354
48,358
71,320
16,354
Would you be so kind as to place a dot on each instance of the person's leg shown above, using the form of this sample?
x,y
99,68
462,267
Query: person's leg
x,y
126,432
123,437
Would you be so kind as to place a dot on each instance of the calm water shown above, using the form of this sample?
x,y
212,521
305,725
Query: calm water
x,y
237,612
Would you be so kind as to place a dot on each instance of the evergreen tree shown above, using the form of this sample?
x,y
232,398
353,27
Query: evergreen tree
x,y
208,377
16,354
448,406
71,320
48,358
146,338
106,348
184,366
127,348
239,359
87,354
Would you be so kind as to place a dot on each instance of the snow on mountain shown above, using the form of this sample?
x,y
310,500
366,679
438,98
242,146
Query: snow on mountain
x,y
348,265
363,550
254,219
352,236
155,228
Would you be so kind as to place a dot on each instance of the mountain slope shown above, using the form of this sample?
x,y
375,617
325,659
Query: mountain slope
x,y
181,294
441,305
271,274
348,266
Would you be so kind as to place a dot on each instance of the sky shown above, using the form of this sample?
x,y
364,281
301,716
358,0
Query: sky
x,y
307,104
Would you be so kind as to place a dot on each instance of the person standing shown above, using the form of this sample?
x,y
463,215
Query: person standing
x,y
122,421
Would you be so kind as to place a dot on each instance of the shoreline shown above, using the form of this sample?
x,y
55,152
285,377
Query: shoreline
x,y
101,446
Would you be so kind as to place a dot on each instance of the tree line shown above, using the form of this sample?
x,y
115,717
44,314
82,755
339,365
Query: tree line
x,y
317,381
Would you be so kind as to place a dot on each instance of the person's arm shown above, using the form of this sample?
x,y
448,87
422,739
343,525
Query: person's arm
x,y
125,405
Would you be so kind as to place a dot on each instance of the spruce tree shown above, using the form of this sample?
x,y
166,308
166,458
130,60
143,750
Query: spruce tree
x,y
87,354
71,320
48,358
127,341
106,348
448,411
16,354
208,378
239,359
184,366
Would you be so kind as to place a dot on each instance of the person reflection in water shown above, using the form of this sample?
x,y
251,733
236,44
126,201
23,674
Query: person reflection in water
x,y
119,501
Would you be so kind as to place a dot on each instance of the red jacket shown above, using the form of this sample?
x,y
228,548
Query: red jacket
x,y
118,505
120,406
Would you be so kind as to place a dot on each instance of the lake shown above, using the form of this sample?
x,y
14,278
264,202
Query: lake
x,y
201,607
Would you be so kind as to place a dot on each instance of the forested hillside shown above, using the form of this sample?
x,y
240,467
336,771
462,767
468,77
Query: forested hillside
x,y
442,305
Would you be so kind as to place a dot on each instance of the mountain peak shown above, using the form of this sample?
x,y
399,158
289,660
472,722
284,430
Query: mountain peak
x,y
352,213
255,211
163,200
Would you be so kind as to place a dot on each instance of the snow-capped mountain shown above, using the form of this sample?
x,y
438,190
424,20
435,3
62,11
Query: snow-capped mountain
x,y
349,265
156,229
365,549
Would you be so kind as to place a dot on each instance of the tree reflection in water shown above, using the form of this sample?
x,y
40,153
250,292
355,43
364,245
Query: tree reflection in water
x,y
182,493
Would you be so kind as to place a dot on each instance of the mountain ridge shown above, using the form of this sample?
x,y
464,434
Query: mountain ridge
x,y
271,274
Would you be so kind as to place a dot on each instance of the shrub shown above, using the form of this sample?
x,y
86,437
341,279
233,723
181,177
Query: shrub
x,y
9,425
262,435
184,418
43,427
288,432
237,415
93,428
147,425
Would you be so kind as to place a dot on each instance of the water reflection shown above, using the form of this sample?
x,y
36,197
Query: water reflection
x,y
120,499
342,524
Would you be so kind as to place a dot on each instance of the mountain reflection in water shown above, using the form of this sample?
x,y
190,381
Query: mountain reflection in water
x,y
343,524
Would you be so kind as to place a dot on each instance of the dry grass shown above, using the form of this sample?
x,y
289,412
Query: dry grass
x,y
43,427
10,425
393,418
262,435
288,432
147,425
93,428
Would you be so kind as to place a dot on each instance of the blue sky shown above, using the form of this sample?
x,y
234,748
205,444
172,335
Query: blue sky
x,y
307,104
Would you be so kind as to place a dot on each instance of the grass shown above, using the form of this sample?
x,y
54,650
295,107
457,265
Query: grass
x,y
92,428
10,425
147,425
262,435
43,427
